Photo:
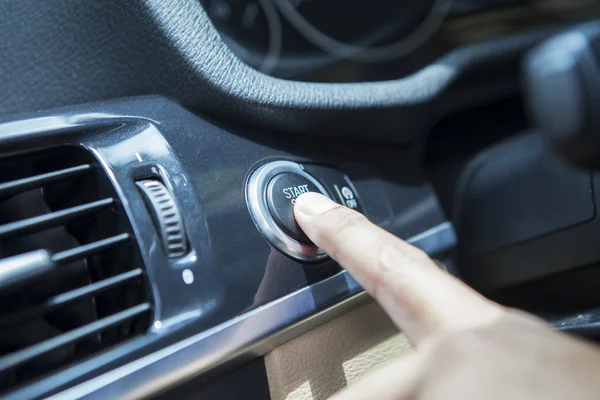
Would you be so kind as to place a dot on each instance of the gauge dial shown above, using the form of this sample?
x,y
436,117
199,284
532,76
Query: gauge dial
x,y
355,22
377,32
251,28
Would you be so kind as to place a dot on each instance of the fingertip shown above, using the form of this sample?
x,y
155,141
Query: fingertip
x,y
311,204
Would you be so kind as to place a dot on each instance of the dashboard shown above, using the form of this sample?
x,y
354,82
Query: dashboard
x,y
353,41
150,151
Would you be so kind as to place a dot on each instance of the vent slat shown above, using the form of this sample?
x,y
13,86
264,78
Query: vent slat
x,y
32,352
52,219
18,269
70,297
72,277
33,182
80,252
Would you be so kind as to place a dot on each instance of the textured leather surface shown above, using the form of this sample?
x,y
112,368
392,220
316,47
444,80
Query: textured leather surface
x,y
319,363
62,52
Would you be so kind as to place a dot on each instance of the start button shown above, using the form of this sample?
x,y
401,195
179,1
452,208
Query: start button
x,y
282,192
271,191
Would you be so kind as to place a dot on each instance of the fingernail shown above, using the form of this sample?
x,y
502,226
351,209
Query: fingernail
x,y
313,204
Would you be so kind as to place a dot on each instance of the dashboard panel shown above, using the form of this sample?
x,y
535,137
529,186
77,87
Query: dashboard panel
x,y
228,278
235,293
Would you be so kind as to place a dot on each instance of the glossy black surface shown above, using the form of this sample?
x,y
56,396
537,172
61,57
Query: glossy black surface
x,y
205,166
265,35
282,192
339,186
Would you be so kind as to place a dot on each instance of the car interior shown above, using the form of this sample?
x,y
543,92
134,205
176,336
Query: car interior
x,y
151,152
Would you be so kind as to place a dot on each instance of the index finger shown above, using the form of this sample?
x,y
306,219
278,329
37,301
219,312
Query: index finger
x,y
418,296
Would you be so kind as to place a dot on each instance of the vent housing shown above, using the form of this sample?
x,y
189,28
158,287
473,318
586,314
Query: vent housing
x,y
72,281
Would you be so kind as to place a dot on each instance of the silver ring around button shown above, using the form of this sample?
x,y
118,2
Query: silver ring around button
x,y
257,204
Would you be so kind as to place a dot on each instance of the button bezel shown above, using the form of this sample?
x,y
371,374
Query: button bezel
x,y
256,198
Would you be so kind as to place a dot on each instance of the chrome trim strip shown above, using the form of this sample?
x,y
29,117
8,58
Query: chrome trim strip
x,y
436,240
248,336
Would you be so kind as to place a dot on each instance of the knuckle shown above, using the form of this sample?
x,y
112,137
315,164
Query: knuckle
x,y
419,256
453,346
463,344
379,286
348,220
345,224
397,266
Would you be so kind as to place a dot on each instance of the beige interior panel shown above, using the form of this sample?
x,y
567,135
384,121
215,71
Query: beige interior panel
x,y
316,365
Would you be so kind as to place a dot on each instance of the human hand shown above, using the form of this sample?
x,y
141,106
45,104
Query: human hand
x,y
466,347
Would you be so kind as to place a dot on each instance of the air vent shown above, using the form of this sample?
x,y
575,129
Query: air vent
x,y
72,281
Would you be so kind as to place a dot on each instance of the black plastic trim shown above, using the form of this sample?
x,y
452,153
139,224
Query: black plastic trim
x,y
230,269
